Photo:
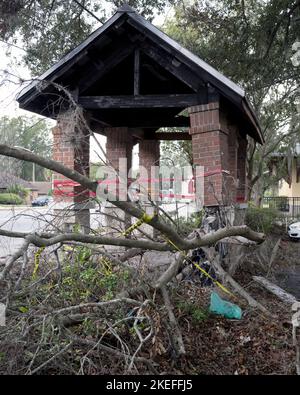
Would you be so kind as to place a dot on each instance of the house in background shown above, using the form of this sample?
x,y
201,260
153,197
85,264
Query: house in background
x,y
35,189
289,184
8,180
286,197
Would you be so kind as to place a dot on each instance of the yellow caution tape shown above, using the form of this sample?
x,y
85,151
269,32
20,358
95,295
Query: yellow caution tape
x,y
37,261
145,219
106,266
148,218
201,269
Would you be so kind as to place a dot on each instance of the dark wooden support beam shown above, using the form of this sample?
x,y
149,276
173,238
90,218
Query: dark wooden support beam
x,y
173,53
138,133
137,62
148,101
174,66
167,136
145,122
99,69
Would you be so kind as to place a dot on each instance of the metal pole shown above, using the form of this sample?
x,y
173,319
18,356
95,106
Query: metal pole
x,y
33,172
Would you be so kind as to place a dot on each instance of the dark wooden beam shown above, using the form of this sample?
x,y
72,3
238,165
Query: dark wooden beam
x,y
138,133
99,68
147,101
145,122
173,65
174,53
136,89
167,136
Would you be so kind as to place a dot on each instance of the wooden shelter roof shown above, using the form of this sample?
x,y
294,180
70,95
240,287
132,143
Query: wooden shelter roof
x,y
130,73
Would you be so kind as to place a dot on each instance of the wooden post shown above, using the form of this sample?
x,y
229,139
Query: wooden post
x,y
136,72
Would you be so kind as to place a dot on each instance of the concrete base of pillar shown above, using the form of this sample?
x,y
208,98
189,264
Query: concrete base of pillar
x,y
114,219
68,217
240,214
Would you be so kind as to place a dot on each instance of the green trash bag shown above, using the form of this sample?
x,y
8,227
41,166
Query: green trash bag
x,y
221,307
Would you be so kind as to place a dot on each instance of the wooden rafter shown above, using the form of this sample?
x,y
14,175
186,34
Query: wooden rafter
x,y
146,101
136,88
102,67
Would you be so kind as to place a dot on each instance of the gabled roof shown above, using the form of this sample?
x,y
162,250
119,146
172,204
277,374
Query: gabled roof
x,y
7,180
207,74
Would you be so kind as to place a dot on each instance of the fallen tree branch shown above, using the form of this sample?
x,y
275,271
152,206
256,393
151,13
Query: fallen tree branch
x,y
175,332
170,273
66,348
238,288
70,309
274,253
130,208
275,290
49,239
296,325
114,352
12,259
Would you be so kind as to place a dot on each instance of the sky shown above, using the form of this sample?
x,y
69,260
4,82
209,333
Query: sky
x,y
10,70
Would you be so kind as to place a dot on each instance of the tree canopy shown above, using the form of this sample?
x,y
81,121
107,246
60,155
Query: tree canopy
x,y
251,42
31,134
50,28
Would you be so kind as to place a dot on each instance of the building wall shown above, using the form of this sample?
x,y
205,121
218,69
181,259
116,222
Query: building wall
x,y
284,189
294,189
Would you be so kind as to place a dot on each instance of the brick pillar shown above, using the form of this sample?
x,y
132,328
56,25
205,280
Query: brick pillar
x,y
71,147
149,155
241,168
231,184
210,148
119,146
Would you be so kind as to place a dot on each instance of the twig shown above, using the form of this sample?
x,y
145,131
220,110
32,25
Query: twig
x,y
175,333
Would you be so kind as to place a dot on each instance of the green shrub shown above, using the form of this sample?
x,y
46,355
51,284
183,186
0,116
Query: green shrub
x,y
261,219
186,226
10,198
198,314
18,190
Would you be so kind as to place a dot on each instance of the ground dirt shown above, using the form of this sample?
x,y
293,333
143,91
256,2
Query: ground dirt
x,y
254,345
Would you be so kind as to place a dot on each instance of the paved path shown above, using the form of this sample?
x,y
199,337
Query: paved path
x,y
28,219
21,219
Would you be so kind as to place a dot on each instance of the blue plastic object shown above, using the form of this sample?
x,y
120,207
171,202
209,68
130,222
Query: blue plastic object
x,y
224,308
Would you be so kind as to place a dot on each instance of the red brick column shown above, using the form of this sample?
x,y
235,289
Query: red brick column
x,y
71,147
231,183
119,146
149,155
210,148
241,168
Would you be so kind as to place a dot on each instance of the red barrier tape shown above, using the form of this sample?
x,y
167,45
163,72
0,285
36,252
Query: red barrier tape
x,y
59,184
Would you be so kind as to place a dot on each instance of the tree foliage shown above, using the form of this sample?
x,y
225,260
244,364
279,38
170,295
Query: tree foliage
x,y
251,42
178,151
29,133
51,28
